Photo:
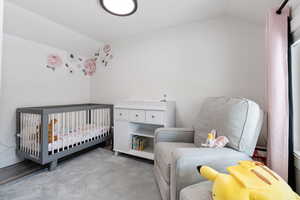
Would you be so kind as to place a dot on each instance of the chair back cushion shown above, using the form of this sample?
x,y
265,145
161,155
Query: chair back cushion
x,y
238,119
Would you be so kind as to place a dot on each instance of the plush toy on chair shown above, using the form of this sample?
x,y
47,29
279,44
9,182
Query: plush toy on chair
x,y
248,181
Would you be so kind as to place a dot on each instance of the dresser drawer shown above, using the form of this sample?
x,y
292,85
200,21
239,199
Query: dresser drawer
x,y
137,115
155,117
121,114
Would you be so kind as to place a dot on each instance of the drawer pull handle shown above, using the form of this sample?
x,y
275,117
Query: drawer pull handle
x,y
136,115
153,116
120,114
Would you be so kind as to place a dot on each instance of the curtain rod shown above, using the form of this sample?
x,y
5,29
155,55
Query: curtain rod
x,y
282,5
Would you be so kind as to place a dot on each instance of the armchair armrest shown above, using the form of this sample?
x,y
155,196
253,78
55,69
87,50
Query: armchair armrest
x,y
174,135
185,161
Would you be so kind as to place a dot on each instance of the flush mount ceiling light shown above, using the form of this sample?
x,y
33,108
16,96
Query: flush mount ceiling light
x,y
119,7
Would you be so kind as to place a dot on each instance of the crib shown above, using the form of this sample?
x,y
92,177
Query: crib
x,y
46,134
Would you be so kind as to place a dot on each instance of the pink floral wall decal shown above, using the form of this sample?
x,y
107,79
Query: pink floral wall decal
x,y
89,66
107,49
107,55
54,61
72,62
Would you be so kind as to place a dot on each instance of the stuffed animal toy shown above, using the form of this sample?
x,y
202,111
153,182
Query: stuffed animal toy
x,y
213,142
51,127
248,181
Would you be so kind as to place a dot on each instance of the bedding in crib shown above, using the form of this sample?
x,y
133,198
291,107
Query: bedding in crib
x,y
72,137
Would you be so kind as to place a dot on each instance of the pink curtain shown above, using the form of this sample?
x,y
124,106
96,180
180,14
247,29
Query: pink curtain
x,y
277,92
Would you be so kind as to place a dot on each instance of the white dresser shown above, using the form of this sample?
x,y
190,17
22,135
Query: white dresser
x,y
139,119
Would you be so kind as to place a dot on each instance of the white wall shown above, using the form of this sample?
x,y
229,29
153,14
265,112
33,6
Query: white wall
x,y
29,39
188,63
295,23
296,94
31,26
27,82
1,37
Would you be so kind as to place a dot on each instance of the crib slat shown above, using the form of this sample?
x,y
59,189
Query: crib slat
x,y
77,126
91,124
38,136
109,122
58,132
88,124
84,137
68,129
84,126
103,122
32,132
53,132
29,133
35,134
21,131
27,127
84,132
71,129
63,130
80,127
24,131
97,122
106,121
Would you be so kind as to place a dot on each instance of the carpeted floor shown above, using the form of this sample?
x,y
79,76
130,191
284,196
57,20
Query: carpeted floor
x,y
96,175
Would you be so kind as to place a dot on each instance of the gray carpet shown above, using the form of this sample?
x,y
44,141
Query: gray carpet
x,y
96,175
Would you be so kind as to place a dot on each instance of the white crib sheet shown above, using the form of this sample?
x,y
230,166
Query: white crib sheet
x,y
78,135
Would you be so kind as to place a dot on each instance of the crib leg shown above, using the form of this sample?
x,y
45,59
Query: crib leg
x,y
53,165
116,153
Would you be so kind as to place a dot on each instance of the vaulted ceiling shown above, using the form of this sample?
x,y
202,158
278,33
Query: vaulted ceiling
x,y
88,18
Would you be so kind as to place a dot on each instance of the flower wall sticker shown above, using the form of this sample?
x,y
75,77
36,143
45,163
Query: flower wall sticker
x,y
88,66
54,61
104,55
107,55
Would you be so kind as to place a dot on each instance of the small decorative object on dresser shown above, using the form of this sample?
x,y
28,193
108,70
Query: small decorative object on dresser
x,y
135,124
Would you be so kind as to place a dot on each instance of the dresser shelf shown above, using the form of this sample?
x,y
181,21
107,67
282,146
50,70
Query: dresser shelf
x,y
140,118
144,133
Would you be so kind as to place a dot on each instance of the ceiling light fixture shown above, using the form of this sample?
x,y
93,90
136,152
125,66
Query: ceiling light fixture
x,y
119,7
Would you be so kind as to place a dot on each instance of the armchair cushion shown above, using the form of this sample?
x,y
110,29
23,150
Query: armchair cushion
x,y
236,118
199,191
163,156
185,161
185,135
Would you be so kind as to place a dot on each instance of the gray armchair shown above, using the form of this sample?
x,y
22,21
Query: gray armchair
x,y
178,151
